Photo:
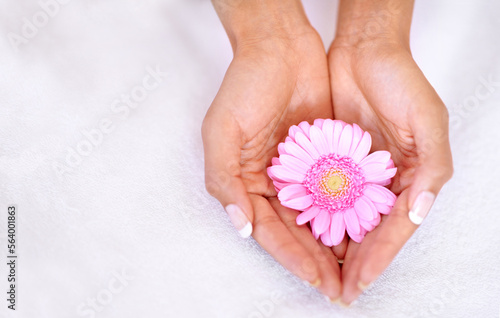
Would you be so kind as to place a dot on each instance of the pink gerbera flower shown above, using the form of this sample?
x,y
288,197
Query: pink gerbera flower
x,y
323,170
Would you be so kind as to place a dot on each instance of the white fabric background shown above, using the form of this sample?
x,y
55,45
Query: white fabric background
x,y
137,201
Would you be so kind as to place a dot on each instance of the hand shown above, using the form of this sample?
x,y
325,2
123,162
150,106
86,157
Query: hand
x,y
277,78
376,83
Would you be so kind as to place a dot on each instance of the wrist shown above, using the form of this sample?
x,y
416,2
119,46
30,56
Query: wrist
x,y
252,23
374,23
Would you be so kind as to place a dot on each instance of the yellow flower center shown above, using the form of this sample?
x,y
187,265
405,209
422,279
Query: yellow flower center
x,y
335,182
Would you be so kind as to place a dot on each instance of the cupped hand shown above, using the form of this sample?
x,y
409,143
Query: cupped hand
x,y
379,86
271,84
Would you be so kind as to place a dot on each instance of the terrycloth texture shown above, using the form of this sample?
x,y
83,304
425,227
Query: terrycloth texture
x,y
135,201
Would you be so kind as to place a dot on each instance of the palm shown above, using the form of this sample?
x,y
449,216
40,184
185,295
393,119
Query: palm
x,y
286,96
375,92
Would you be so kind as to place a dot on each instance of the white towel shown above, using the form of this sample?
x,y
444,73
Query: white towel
x,y
113,217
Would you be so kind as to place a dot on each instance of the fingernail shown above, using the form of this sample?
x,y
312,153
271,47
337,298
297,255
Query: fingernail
x,y
421,207
316,283
332,300
343,304
239,220
362,285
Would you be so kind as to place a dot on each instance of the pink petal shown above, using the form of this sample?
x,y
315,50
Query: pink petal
x,y
337,132
390,164
341,122
383,182
366,225
373,168
382,176
390,197
293,130
300,204
337,228
380,156
305,128
370,225
281,148
313,228
280,185
365,209
326,238
322,221
275,161
359,238
376,220
308,215
357,133
363,148
319,122
306,144
352,222
296,151
345,141
292,191
284,174
294,164
327,129
318,140
289,139
374,193
383,208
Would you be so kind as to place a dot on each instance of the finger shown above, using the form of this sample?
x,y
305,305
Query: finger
x,y
334,292
340,249
354,260
272,234
327,263
349,292
221,144
381,246
389,238
435,167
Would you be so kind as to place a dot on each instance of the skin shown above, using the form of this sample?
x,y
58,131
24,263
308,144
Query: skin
x,y
280,76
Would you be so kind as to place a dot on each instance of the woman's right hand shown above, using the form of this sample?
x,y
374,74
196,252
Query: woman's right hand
x,y
278,78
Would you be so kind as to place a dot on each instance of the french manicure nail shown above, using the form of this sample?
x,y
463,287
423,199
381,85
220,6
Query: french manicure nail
x,y
362,285
332,300
316,283
239,220
343,304
421,207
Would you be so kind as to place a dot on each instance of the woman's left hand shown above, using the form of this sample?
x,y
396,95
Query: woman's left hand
x,y
378,85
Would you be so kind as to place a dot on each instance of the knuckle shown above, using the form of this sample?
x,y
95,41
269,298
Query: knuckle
x,y
213,183
449,172
206,126
267,221
212,187
290,223
444,172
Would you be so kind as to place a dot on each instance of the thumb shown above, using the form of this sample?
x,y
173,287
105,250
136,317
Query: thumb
x,y
435,166
221,143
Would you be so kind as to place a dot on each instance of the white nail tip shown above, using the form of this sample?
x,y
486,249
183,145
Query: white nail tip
x,y
421,207
246,231
415,219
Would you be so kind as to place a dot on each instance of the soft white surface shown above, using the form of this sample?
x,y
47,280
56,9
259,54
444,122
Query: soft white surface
x,y
137,201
